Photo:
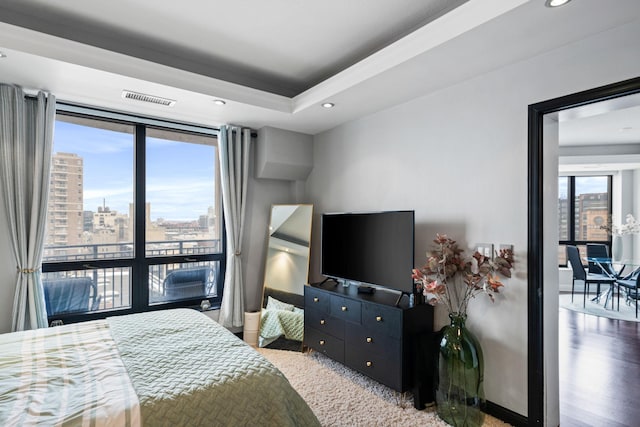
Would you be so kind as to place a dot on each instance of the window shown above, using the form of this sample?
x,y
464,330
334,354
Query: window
x,y
135,217
584,212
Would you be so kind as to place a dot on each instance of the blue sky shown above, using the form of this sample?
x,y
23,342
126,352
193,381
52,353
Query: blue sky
x,y
179,175
584,185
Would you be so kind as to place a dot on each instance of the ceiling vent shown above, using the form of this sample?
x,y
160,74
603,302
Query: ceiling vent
x,y
127,94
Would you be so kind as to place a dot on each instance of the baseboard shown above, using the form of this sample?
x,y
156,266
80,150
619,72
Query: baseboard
x,y
506,415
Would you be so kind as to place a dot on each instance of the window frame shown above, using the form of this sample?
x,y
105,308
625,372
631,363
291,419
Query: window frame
x,y
140,262
571,214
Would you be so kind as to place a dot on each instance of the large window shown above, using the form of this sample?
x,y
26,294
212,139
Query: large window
x,y
584,212
134,220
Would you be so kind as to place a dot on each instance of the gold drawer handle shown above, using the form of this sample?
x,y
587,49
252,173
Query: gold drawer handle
x,y
378,318
344,308
369,364
369,339
322,321
321,342
315,299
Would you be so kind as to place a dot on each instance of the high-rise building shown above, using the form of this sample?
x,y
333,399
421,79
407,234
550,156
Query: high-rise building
x,y
592,211
65,218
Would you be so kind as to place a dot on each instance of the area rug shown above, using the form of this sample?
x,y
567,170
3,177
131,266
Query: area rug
x,y
340,396
627,312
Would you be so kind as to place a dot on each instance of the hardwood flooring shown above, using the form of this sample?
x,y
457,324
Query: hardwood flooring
x,y
599,371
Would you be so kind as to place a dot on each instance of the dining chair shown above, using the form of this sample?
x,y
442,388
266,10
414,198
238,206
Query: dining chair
x,y
599,250
579,273
630,285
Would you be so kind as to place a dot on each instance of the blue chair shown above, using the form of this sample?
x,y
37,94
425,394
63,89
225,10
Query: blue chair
x,y
70,295
630,285
187,283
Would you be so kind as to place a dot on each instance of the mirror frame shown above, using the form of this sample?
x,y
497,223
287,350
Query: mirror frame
x,y
269,242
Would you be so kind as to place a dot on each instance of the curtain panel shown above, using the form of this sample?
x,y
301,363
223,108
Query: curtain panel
x,y
26,140
234,144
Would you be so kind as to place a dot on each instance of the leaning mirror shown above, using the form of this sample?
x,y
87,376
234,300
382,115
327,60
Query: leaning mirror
x,y
286,273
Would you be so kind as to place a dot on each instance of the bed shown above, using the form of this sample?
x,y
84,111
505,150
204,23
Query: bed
x,y
163,368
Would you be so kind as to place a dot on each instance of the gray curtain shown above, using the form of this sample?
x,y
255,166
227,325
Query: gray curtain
x,y
234,144
26,139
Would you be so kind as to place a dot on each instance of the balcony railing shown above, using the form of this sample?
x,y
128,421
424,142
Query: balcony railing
x,y
114,284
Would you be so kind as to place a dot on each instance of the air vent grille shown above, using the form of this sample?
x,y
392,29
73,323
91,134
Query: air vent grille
x,y
136,96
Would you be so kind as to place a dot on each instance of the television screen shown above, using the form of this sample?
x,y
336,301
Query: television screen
x,y
373,248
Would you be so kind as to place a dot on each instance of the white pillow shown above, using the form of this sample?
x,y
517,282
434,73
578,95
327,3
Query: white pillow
x,y
274,304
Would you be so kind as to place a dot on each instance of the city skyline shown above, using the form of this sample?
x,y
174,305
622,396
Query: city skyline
x,y
179,175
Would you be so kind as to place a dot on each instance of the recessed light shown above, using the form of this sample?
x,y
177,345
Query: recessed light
x,y
626,129
556,3
219,102
328,104
3,55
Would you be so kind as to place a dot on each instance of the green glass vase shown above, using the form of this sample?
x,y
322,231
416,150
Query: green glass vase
x,y
459,383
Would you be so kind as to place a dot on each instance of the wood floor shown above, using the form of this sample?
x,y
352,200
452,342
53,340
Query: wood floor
x,y
599,371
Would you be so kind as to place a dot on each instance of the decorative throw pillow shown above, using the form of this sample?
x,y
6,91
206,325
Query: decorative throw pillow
x,y
274,304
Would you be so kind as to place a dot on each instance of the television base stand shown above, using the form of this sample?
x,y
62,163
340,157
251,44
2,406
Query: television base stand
x,y
400,298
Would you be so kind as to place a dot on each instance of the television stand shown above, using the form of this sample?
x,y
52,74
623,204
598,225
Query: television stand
x,y
378,335
400,298
326,279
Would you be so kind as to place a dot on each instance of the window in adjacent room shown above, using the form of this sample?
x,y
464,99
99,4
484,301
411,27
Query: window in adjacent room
x,y
134,219
584,212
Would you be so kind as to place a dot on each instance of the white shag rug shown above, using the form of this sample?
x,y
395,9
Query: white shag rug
x,y
626,312
340,396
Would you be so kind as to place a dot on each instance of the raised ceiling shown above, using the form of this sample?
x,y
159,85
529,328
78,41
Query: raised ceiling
x,y
279,46
275,61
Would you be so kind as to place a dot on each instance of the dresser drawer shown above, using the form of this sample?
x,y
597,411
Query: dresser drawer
x,y
386,320
368,341
376,366
324,322
317,300
324,343
347,309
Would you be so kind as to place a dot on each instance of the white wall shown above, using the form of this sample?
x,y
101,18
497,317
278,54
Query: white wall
x,y
458,157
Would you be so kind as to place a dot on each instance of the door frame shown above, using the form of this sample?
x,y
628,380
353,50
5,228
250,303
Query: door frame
x,y
535,245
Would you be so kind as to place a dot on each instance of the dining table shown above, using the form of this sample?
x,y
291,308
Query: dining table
x,y
617,269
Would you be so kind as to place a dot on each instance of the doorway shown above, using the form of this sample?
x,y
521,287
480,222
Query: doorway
x,y
539,263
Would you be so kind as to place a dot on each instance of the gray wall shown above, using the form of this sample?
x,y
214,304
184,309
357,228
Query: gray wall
x,y
458,157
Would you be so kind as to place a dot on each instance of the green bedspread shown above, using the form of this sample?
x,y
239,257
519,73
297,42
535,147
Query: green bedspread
x,y
163,368
188,370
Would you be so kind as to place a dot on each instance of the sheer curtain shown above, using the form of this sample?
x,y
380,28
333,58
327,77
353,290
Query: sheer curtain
x,y
26,139
234,144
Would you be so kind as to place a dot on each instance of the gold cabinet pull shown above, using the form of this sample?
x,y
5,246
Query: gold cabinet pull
x,y
315,299
321,342
369,339
322,321
344,308
378,318
369,364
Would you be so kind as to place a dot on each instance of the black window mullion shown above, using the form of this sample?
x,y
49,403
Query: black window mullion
x,y
572,209
140,274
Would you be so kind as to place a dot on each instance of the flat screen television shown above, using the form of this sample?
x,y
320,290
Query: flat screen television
x,y
374,248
